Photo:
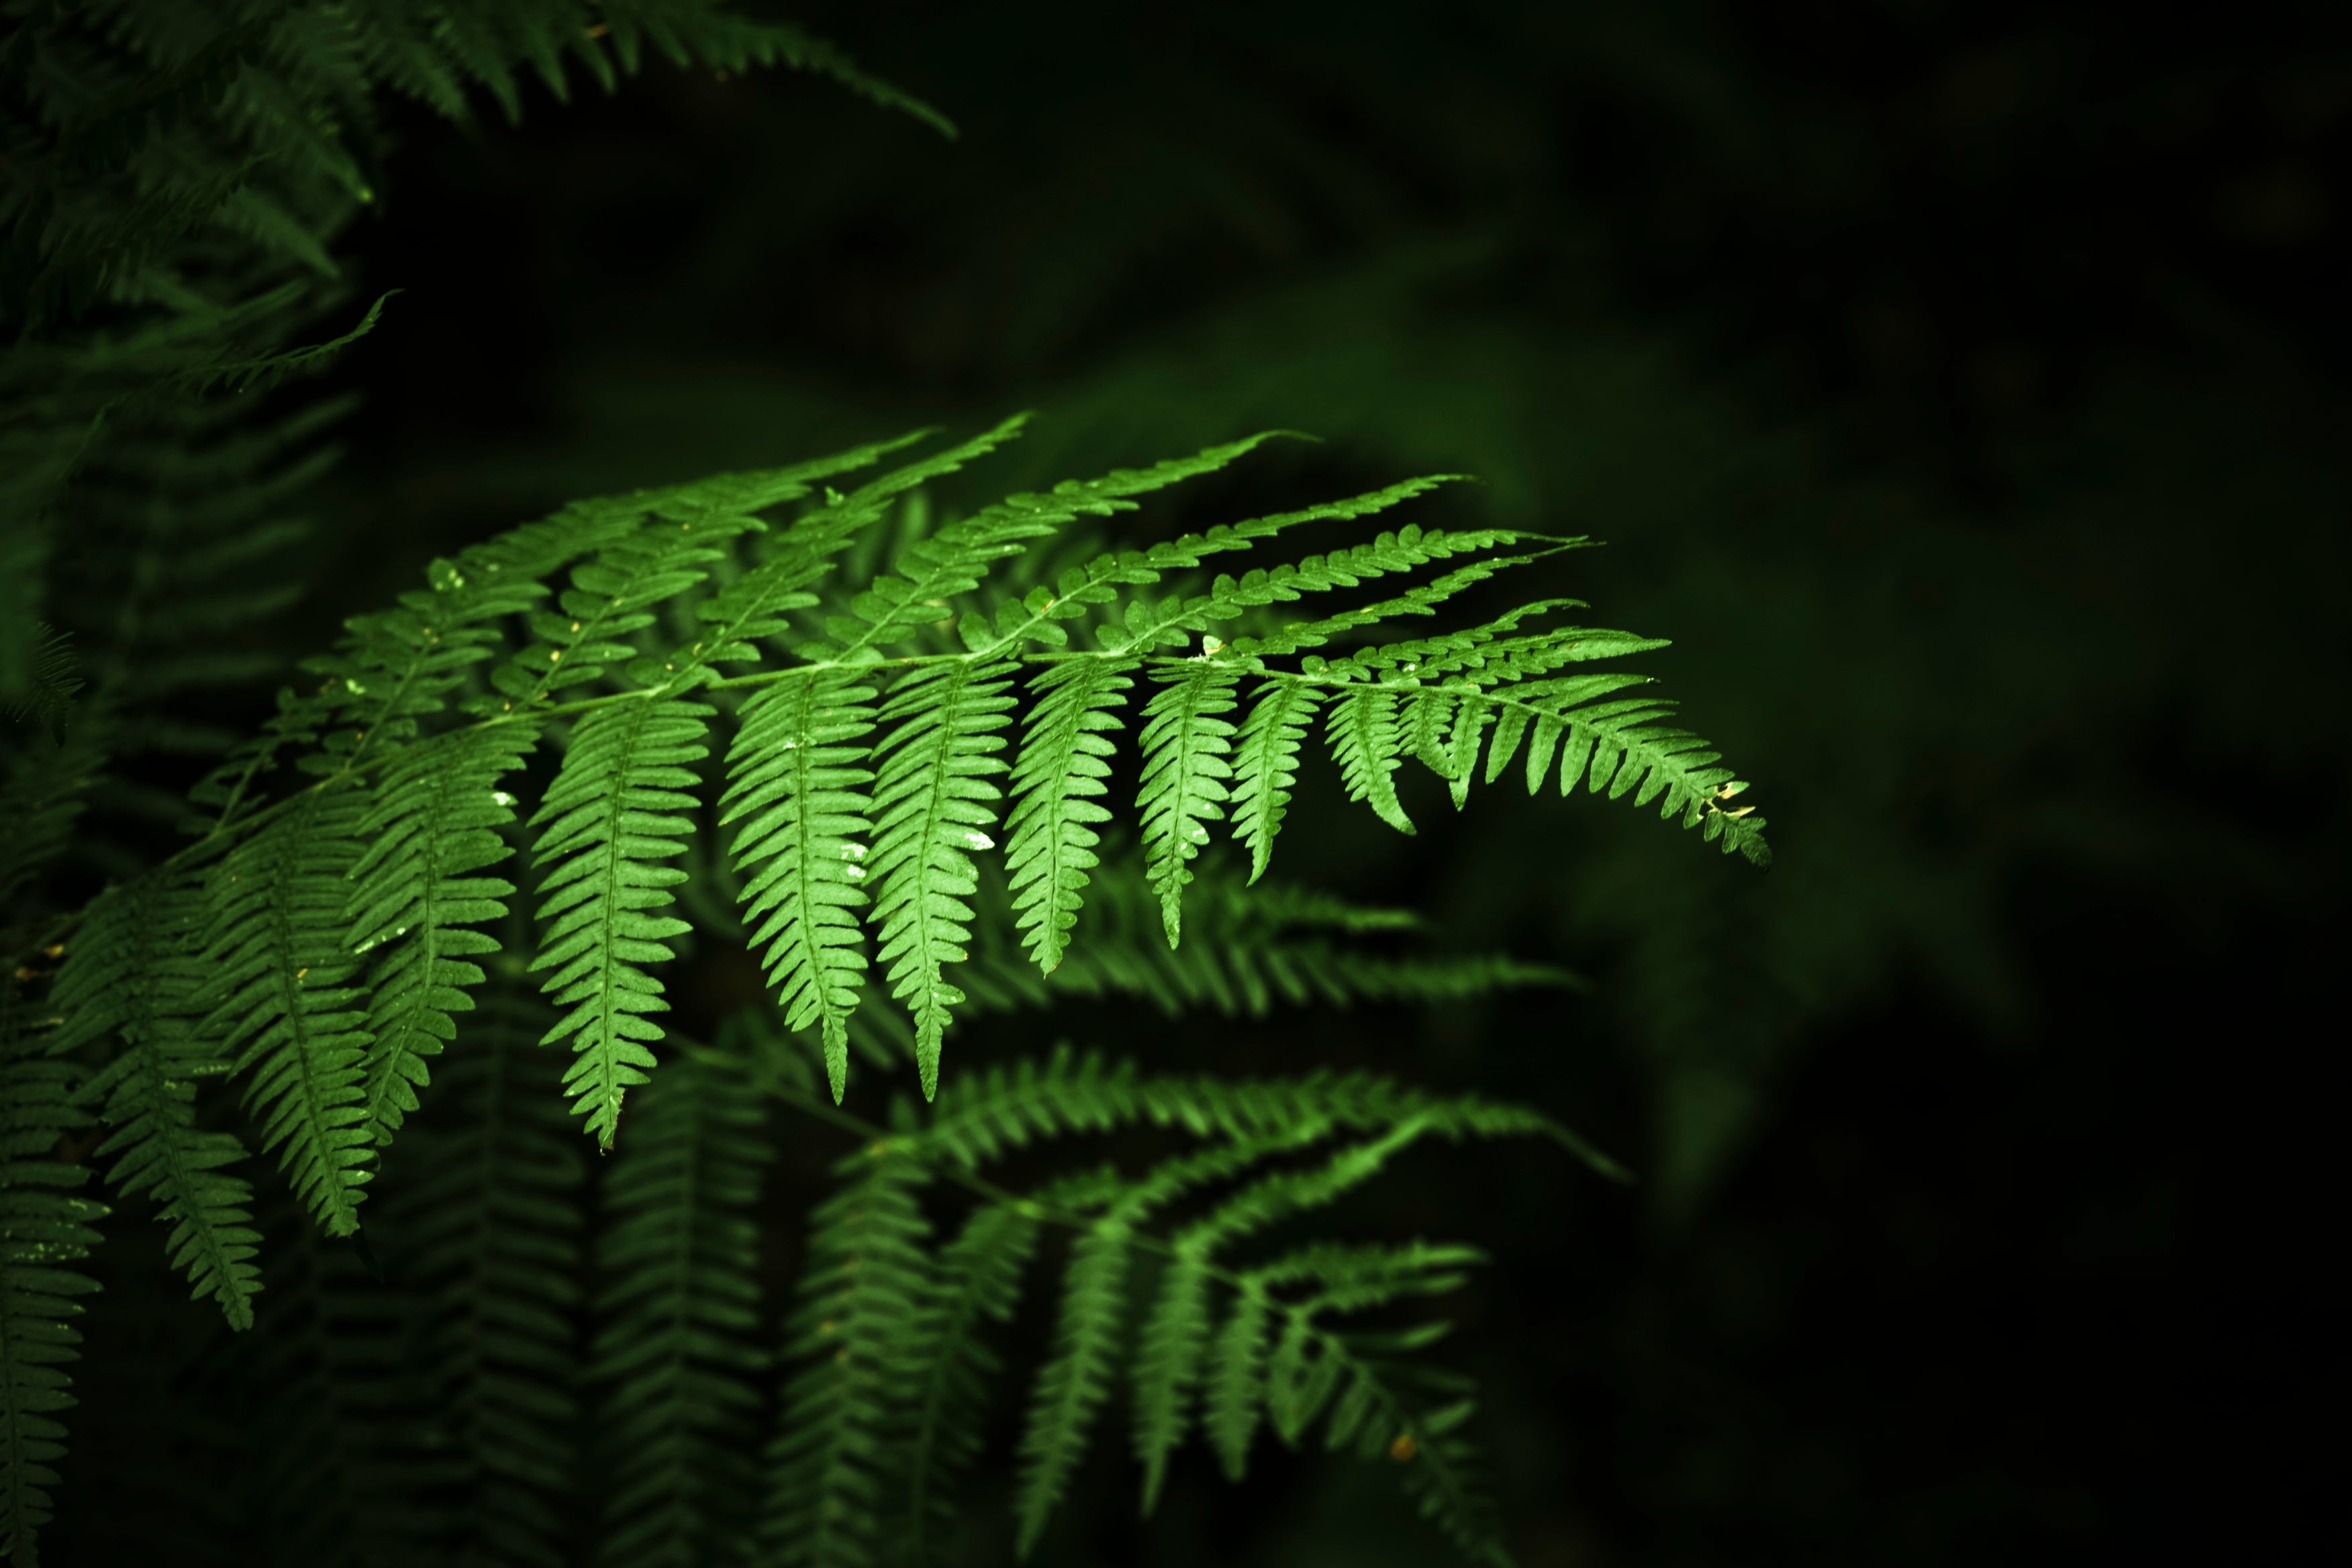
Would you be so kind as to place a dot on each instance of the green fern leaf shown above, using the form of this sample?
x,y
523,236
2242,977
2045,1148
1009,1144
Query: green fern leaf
x,y
392,669
1168,1364
861,1294
1237,1380
932,807
43,1230
796,772
604,827
287,1000
678,1303
1006,1107
1076,1379
1064,761
1149,626
133,978
325,1378
1619,746
612,598
1300,1375
434,820
1187,746
1144,626
954,561
978,1281
1249,949
1267,764
753,608
493,1224
1365,741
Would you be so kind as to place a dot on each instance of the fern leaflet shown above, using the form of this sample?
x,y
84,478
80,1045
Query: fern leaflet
x,y
677,1310
861,1292
797,769
978,1279
434,822
604,826
1187,744
1267,764
285,996
493,1225
1055,783
45,1229
133,980
932,807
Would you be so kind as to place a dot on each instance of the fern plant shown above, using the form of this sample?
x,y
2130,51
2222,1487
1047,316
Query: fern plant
x,y
425,920
642,662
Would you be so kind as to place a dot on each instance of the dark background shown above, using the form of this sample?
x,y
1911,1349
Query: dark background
x,y
1962,386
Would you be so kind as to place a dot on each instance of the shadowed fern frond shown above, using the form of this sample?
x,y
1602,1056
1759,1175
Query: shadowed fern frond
x,y
894,1367
678,1306
45,1229
492,1228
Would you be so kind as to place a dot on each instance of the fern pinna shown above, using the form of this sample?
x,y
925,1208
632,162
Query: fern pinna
x,y
917,779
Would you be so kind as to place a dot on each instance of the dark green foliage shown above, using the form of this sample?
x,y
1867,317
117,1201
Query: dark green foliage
x,y
492,1230
830,1492
436,819
142,986
871,701
45,1229
677,1363
277,980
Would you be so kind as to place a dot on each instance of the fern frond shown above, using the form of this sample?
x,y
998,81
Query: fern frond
x,y
954,560
685,30
1266,765
1236,1379
612,598
434,51
1368,743
978,1281
1168,1356
330,1458
1148,626
1059,775
754,606
678,1302
434,822
1007,1108
604,826
1249,948
932,807
1076,1379
284,997
1408,548
132,979
1145,626
863,1293
1187,745
398,666
1295,1381
796,772
493,1225
51,680
45,1229
1621,747
44,786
